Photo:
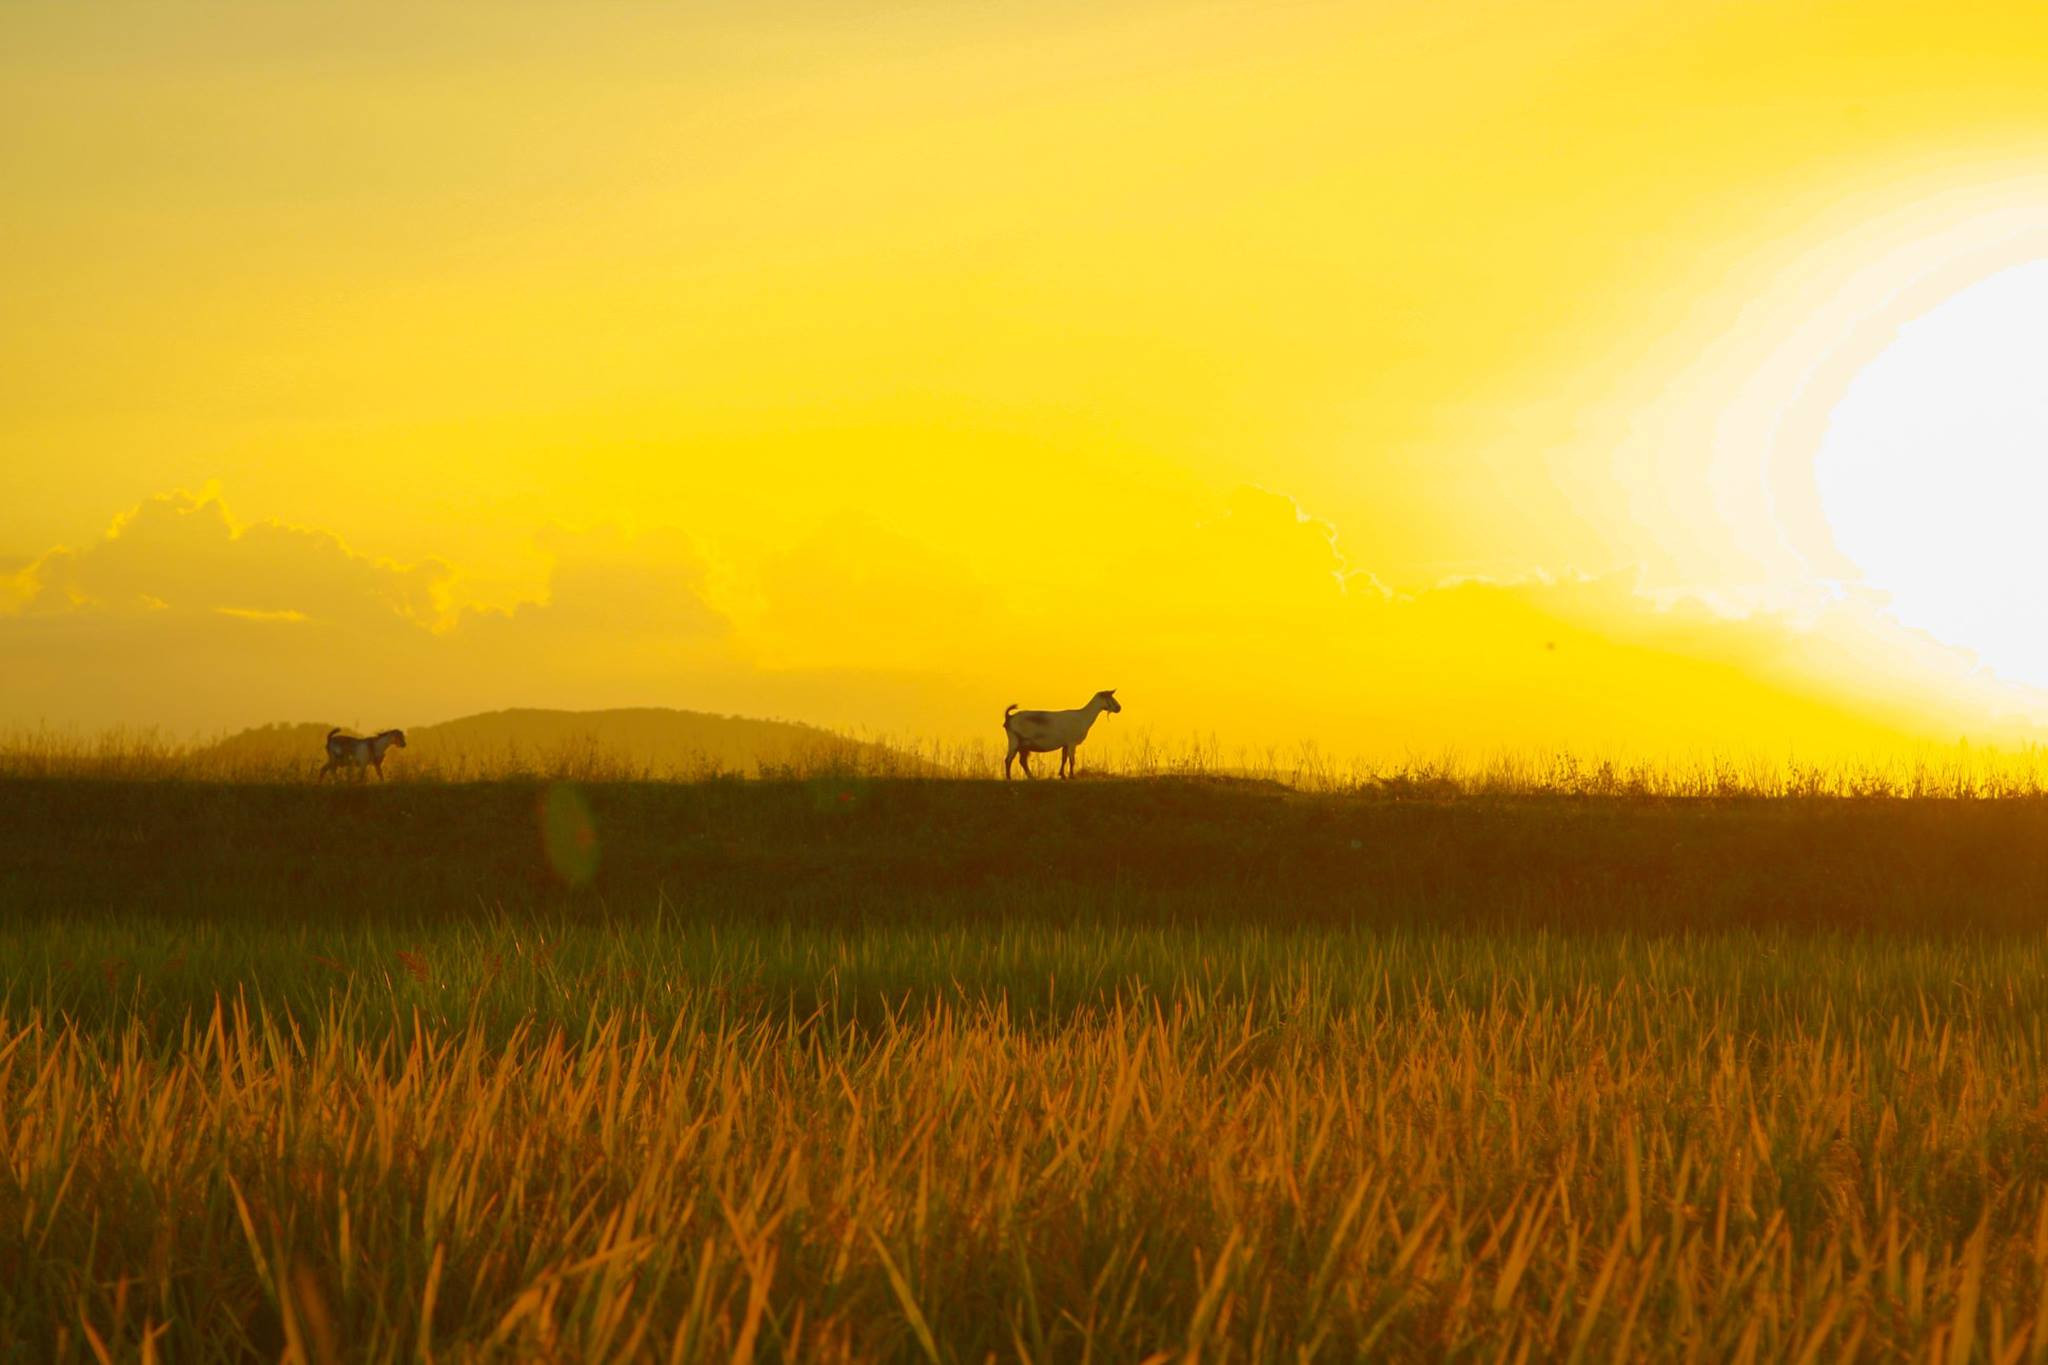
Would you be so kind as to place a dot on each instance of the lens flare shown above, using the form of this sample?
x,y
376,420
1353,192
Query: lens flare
x,y
568,834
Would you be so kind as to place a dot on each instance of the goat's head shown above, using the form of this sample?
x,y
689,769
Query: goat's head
x,y
398,738
1107,697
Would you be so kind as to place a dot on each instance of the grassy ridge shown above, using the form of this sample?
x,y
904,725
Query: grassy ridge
x,y
851,850
924,1070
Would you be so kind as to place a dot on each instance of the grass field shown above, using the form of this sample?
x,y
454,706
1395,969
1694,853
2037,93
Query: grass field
x,y
900,1069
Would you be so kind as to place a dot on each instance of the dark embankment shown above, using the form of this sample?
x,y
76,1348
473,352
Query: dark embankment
x,y
906,851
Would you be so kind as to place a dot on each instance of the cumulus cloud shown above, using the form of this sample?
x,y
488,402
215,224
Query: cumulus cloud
x,y
182,553
854,592
1262,575
179,613
1260,622
1265,620
605,586
1274,532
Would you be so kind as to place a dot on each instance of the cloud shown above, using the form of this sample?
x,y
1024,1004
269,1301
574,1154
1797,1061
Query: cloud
x,y
856,593
1261,572
287,617
1263,620
181,614
182,553
1274,532
604,581
1259,623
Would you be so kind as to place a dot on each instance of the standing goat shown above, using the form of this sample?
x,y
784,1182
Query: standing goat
x,y
1040,732
347,751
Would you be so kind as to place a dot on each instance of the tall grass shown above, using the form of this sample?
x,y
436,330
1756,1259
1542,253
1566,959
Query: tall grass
x,y
853,1068
1207,1145
1924,772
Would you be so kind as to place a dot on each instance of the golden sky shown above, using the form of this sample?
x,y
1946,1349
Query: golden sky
x,y
1399,376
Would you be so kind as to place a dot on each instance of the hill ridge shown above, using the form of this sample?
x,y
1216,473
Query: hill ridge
x,y
651,739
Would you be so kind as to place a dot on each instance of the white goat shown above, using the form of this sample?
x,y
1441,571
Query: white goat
x,y
1040,732
347,751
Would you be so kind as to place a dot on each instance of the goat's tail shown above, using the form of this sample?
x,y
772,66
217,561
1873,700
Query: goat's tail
x,y
1007,714
332,733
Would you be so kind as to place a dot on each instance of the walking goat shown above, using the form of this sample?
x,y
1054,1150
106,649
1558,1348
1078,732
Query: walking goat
x,y
1040,732
347,751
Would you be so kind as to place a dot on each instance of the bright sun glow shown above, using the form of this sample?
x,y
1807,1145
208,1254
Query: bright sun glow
x,y
1934,472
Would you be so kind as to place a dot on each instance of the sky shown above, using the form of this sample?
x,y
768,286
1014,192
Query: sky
x,y
1391,377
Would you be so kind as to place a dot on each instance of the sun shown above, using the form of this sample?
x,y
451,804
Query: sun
x,y
1933,472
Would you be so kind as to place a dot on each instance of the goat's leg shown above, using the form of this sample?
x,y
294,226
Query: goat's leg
x,y
1071,764
1009,758
1024,757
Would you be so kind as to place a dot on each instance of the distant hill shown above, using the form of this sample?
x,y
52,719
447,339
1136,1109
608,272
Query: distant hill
x,y
635,742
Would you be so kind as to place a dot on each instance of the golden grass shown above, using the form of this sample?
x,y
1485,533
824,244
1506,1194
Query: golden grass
x,y
1563,1160
1957,772
815,1071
